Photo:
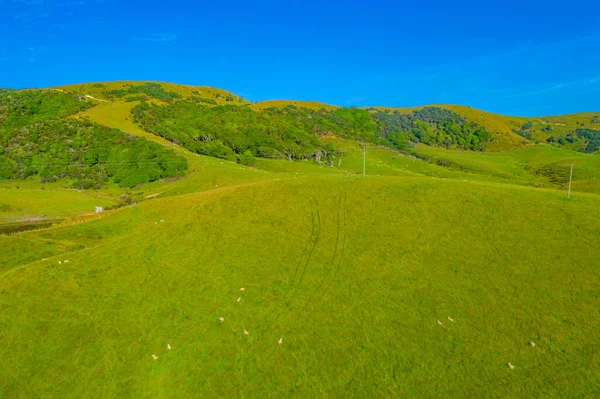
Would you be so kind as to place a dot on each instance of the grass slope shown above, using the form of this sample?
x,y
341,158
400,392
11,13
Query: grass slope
x,y
19,204
538,165
314,105
352,273
504,126
100,90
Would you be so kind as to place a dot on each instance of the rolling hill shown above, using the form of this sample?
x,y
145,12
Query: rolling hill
x,y
293,249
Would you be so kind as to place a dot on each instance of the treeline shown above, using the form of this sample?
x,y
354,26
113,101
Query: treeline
x,y
86,152
25,107
591,138
141,92
231,132
581,139
431,126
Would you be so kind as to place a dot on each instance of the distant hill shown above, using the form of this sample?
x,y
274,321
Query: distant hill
x,y
576,131
217,123
514,131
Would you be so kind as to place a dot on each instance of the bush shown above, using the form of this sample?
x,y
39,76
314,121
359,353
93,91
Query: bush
x,y
247,159
527,125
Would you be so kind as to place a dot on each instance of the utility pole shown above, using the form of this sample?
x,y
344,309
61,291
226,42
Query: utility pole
x,y
364,161
570,180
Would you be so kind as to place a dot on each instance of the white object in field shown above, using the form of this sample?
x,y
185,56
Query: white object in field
x,y
66,261
155,223
439,322
59,262
532,344
221,319
280,340
154,357
99,209
169,346
239,299
450,318
510,366
242,289
246,332
161,220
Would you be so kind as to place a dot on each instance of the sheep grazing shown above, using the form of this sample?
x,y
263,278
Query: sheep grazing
x,y
242,289
532,344
66,261
154,357
439,322
59,262
280,340
239,299
169,346
161,220
450,318
221,319
510,366
246,332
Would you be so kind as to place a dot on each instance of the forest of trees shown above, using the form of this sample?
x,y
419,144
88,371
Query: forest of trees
x,y
35,142
432,126
24,107
153,90
591,138
230,131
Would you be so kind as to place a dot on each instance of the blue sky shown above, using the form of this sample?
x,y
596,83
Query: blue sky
x,y
518,57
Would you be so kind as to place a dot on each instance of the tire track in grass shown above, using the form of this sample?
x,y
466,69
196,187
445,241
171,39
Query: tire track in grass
x,y
341,231
315,242
335,251
314,238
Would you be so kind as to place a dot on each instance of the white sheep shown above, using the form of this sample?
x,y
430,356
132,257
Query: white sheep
x,y
246,332
450,318
439,322
510,366
280,340
66,261
532,344
169,346
239,299
242,289
154,357
221,319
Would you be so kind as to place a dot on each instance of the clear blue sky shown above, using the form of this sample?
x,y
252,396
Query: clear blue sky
x,y
521,57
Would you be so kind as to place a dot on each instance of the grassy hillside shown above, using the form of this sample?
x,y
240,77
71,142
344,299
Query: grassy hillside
x,y
18,204
422,278
160,91
351,274
539,165
510,133
313,105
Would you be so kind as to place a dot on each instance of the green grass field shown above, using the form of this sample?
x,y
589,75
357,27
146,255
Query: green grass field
x,y
539,165
17,204
350,274
423,278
